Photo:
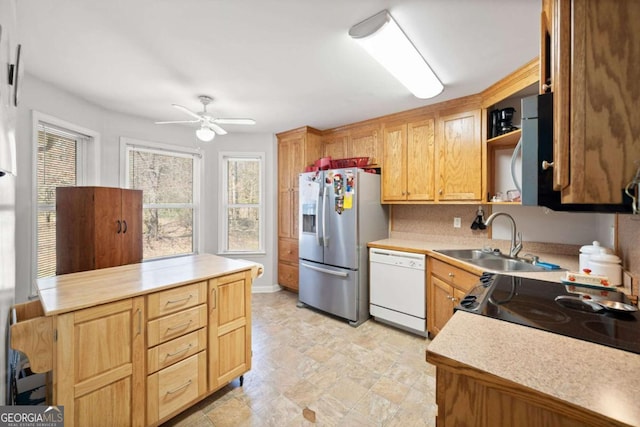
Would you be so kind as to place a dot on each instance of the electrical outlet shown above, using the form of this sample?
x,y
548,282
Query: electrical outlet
x,y
457,222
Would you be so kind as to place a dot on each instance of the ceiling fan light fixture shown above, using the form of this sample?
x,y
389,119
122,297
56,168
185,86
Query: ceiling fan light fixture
x,y
205,134
381,36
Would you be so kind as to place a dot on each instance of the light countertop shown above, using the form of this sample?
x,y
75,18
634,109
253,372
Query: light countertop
x,y
602,379
567,262
70,292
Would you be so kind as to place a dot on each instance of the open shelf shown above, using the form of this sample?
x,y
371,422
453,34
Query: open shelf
x,y
507,140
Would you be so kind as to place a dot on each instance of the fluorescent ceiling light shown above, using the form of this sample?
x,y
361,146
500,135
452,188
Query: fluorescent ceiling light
x,y
381,36
205,134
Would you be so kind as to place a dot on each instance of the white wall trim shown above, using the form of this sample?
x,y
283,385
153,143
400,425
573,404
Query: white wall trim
x,y
265,289
90,170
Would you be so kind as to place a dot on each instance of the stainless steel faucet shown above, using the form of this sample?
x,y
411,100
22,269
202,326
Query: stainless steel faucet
x,y
516,247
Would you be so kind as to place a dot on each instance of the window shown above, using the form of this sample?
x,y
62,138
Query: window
x,y
169,180
59,163
242,203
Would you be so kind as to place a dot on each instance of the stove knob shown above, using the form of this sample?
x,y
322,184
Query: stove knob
x,y
468,301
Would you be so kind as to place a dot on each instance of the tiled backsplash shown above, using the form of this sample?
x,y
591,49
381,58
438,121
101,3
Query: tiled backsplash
x,y
435,223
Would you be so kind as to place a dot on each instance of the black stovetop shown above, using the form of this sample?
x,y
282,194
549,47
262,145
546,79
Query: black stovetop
x,y
532,303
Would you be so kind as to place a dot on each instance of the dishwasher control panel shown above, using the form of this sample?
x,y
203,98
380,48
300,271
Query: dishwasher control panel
x,y
399,259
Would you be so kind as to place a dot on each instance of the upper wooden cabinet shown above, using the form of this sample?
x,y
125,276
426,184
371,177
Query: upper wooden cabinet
x,y
461,157
359,140
593,47
97,227
408,158
296,149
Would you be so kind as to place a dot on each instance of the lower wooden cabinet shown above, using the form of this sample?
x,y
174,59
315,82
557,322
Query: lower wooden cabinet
x,y
469,397
229,328
100,371
446,286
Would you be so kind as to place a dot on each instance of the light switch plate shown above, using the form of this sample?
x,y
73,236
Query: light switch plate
x,y
457,222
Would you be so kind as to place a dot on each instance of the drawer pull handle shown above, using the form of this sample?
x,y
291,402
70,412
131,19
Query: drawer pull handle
x,y
451,274
215,298
184,350
180,326
175,301
177,389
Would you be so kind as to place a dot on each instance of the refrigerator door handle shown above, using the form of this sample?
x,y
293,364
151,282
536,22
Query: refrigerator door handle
x,y
323,270
319,209
325,239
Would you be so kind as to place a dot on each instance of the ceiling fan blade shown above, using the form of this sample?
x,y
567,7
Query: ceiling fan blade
x,y
177,121
217,129
235,121
189,112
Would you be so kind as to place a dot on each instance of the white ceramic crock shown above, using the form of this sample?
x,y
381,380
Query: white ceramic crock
x,y
605,264
588,250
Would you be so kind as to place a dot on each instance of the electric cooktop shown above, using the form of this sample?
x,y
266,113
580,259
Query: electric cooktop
x,y
567,310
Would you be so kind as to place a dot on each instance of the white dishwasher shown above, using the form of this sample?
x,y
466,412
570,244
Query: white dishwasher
x,y
397,289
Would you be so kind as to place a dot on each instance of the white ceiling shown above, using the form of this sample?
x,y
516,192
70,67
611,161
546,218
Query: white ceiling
x,y
284,63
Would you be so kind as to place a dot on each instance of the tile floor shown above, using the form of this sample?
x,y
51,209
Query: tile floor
x,y
373,375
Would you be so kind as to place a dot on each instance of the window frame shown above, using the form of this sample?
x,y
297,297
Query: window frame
x,y
127,144
87,172
223,221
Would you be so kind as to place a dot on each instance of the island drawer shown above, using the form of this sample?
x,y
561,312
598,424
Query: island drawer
x,y
173,351
176,299
172,388
174,325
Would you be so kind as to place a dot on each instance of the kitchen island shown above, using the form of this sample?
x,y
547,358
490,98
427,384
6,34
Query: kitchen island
x,y
491,372
137,344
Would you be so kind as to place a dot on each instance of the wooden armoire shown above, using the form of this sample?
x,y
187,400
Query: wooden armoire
x,y
97,227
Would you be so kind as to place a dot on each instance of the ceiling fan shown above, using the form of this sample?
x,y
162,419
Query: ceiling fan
x,y
209,125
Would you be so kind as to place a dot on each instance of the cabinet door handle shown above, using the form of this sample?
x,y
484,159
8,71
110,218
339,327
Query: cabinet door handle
x,y
175,301
177,389
139,321
184,350
215,298
125,226
440,191
180,326
119,227
547,87
546,165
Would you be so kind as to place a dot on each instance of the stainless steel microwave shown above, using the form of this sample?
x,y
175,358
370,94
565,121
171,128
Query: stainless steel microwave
x,y
537,147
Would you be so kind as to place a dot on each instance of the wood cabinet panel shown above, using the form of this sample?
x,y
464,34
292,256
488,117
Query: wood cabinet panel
x,y
421,160
365,141
594,45
288,250
440,307
394,153
97,227
288,275
459,278
335,145
109,405
460,161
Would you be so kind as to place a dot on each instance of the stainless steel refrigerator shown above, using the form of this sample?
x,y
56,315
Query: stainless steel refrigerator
x,y
339,213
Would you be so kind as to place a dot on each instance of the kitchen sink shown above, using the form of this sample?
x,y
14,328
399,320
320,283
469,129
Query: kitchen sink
x,y
491,260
